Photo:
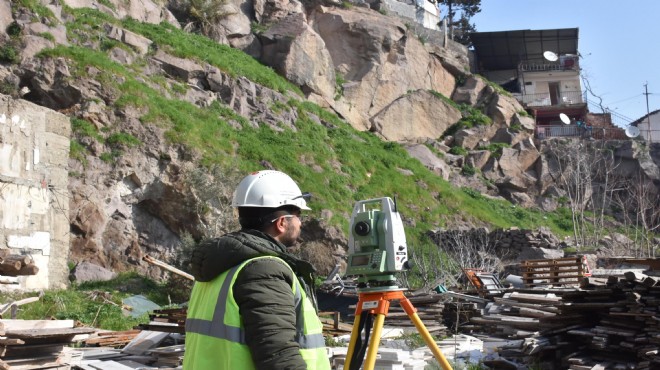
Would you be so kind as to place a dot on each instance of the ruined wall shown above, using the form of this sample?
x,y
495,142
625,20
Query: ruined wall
x,y
34,204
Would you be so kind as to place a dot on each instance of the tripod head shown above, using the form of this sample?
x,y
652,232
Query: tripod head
x,y
377,244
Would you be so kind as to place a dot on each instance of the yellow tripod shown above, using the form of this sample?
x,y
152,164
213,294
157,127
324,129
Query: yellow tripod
x,y
378,303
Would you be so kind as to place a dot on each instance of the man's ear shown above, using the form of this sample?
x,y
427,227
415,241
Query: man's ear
x,y
279,226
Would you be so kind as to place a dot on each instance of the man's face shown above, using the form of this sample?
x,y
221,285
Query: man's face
x,y
292,231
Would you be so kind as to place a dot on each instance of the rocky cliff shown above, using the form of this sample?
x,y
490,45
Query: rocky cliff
x,y
367,67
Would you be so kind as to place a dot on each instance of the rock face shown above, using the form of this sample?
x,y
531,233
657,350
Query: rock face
x,y
378,62
417,115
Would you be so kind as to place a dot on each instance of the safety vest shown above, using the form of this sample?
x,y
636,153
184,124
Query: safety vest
x,y
215,338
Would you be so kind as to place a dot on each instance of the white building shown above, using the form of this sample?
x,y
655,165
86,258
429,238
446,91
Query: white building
x,y
649,127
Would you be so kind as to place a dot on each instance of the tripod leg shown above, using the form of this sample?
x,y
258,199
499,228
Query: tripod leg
x,y
421,329
355,333
370,361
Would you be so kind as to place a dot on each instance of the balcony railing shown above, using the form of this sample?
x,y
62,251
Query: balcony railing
x,y
598,133
564,64
546,100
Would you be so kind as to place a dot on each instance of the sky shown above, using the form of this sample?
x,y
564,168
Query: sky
x,y
619,44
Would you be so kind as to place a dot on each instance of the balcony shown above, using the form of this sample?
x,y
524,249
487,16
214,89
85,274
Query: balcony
x,y
565,63
597,133
548,100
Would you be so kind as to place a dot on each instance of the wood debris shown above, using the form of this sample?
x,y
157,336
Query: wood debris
x,y
616,325
16,265
36,344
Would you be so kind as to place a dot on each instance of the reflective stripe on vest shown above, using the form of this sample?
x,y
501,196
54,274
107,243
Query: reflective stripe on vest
x,y
217,328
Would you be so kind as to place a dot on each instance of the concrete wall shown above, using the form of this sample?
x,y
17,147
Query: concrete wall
x,y
652,132
422,12
34,202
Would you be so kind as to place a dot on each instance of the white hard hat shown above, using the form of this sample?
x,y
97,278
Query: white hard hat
x,y
269,189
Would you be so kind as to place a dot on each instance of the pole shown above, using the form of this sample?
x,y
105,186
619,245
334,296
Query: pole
x,y
648,114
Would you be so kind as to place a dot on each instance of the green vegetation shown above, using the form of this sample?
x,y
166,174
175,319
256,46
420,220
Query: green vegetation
x,y
499,89
47,35
8,54
97,304
339,85
496,148
37,8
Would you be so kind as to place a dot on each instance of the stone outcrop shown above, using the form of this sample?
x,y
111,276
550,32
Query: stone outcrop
x,y
417,115
298,53
378,62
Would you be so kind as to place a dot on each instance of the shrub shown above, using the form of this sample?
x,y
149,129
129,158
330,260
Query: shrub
x,y
458,150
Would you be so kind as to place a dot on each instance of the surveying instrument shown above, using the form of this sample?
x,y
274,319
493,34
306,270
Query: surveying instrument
x,y
377,250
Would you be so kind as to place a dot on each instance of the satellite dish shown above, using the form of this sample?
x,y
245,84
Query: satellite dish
x,y
551,56
564,118
632,131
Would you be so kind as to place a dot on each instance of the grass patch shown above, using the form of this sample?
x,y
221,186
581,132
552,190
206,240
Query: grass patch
x,y
96,304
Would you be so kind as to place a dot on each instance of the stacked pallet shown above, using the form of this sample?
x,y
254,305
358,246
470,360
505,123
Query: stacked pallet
x,y
549,272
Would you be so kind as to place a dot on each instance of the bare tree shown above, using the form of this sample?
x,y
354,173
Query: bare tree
x,y
454,251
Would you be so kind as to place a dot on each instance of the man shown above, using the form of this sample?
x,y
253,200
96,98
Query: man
x,y
251,305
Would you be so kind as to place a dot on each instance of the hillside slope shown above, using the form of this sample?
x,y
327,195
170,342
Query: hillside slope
x,y
166,122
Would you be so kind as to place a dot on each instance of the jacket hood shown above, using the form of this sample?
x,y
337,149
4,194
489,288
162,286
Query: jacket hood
x,y
214,256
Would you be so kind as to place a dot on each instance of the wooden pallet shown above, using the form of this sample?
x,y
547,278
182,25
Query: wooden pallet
x,y
560,271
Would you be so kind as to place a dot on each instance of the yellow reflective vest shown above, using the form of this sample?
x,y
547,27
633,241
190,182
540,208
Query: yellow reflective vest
x,y
215,339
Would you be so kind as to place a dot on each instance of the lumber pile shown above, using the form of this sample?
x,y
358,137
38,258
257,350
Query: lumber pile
x,y
616,325
171,320
111,338
36,344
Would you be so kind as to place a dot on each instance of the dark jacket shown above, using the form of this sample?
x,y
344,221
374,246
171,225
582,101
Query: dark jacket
x,y
262,291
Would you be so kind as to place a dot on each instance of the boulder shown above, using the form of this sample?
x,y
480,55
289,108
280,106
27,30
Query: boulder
x,y
86,271
5,18
502,108
38,28
298,53
141,10
272,11
184,69
477,158
423,154
418,115
380,62
470,92
138,42
534,253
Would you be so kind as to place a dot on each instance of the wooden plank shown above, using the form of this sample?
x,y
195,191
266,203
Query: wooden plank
x,y
31,350
110,365
136,365
36,324
47,333
144,341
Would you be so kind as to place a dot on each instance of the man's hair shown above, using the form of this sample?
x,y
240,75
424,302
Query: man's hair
x,y
259,218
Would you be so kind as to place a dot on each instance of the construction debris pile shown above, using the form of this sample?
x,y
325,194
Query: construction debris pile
x,y
616,325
